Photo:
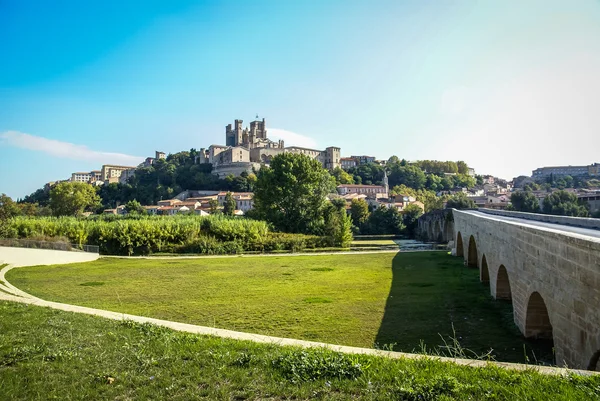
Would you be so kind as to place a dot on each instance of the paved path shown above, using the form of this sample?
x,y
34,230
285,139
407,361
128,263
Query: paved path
x,y
588,233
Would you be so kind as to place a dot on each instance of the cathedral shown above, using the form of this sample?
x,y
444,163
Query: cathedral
x,y
247,149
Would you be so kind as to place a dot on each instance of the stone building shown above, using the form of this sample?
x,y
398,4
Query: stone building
x,y
246,149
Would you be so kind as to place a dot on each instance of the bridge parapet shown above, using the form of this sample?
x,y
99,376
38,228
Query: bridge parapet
x,y
548,218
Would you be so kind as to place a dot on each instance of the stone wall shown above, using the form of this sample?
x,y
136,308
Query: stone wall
x,y
552,279
436,226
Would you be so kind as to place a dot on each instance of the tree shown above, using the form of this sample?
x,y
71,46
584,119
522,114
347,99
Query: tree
x,y
393,160
460,201
134,207
434,182
369,174
411,176
563,203
410,218
229,205
524,201
338,225
8,208
213,204
72,198
464,181
342,177
462,167
359,212
384,220
291,193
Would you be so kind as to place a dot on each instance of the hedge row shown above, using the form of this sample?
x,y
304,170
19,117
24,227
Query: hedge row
x,y
179,234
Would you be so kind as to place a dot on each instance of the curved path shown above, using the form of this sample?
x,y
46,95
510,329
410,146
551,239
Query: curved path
x,y
8,292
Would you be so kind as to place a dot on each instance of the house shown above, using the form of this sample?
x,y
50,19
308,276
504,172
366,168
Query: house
x,y
372,191
153,209
243,200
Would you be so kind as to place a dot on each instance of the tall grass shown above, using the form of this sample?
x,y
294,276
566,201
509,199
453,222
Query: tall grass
x,y
149,234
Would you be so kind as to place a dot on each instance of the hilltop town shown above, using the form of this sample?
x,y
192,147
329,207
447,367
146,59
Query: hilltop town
x,y
248,149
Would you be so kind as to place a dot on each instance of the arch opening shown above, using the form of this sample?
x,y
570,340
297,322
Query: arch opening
x,y
459,245
503,284
472,255
449,231
537,321
484,274
593,365
436,231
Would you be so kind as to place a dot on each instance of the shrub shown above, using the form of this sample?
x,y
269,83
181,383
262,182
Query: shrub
x,y
317,363
142,235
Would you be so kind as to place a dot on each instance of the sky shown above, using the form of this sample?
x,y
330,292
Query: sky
x,y
507,86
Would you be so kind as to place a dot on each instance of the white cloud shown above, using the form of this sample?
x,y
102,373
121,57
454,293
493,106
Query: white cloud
x,y
65,150
291,138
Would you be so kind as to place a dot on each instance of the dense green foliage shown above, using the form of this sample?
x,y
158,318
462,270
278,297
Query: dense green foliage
x,y
151,234
410,217
134,207
73,198
425,174
338,224
524,201
229,205
359,212
460,201
292,195
50,354
384,220
563,203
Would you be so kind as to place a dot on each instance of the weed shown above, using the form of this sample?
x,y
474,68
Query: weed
x,y
316,363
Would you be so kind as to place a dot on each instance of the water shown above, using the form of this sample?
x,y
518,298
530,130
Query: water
x,y
414,245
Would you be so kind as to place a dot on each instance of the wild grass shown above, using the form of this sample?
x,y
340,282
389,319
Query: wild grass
x,y
53,355
371,300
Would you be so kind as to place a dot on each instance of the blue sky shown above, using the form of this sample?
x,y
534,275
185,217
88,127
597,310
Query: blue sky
x,y
506,86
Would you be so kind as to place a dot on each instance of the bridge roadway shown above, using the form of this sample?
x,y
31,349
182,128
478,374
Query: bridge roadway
x,y
562,228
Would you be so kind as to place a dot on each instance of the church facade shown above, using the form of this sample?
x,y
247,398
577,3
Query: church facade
x,y
247,149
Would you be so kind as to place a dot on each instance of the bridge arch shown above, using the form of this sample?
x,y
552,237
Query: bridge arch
x,y
484,274
472,255
537,320
593,365
437,231
460,250
503,284
449,231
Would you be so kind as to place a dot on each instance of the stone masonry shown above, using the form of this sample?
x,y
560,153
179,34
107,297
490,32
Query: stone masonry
x,y
551,276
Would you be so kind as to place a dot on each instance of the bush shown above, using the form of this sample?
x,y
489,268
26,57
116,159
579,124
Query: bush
x,y
314,364
142,235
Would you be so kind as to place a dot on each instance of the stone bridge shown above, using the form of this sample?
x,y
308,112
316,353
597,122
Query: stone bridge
x,y
547,266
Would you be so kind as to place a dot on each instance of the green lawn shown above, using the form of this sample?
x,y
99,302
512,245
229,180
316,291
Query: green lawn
x,y
53,355
361,300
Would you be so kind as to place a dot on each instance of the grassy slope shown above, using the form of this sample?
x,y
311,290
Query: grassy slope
x,y
360,300
47,354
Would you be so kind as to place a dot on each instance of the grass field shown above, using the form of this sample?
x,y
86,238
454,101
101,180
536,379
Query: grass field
x,y
52,355
370,300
